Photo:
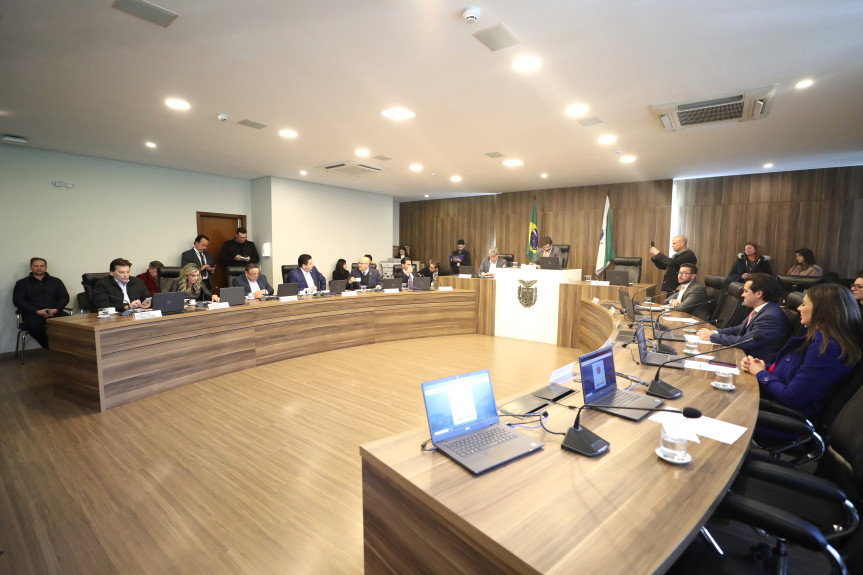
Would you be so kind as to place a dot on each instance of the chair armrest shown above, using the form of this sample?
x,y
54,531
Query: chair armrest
x,y
784,423
793,478
774,406
773,520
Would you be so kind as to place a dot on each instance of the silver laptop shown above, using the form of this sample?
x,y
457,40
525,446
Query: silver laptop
x,y
550,263
652,357
599,386
169,302
629,307
464,425
233,295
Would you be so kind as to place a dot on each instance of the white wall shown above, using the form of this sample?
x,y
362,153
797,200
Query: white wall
x,y
115,209
328,223
262,217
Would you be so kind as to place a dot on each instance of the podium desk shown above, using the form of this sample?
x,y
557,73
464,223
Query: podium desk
x,y
107,362
555,511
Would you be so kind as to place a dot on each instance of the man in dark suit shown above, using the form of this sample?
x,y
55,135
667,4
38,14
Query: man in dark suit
x,y
253,282
120,290
364,275
38,297
406,273
239,250
199,256
307,276
690,296
671,265
767,318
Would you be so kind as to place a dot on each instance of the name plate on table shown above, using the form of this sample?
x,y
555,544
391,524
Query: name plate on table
x,y
349,294
600,283
285,298
465,276
391,290
219,305
444,288
147,314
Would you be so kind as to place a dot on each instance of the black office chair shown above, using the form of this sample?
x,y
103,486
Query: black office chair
x,y
732,311
233,271
166,276
788,284
630,264
509,258
85,304
792,302
564,250
89,282
286,269
716,293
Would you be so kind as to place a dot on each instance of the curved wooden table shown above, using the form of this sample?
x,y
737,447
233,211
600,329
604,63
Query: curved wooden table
x,y
107,362
555,511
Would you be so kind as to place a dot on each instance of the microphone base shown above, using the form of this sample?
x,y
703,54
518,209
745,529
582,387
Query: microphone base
x,y
582,440
659,388
666,349
659,327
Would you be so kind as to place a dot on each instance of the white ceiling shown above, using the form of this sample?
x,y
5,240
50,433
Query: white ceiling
x,y
85,78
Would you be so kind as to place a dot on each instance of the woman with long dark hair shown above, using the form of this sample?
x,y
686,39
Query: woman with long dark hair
x,y
341,272
805,265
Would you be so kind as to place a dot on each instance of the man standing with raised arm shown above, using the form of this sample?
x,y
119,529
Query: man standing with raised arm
x,y
671,265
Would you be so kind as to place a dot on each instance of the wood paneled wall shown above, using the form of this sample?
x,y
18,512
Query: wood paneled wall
x,y
640,212
781,212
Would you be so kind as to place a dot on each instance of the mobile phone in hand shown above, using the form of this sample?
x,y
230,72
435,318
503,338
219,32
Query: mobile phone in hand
x,y
652,244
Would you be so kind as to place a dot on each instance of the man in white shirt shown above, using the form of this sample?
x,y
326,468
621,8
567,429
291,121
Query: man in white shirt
x,y
199,256
253,282
306,276
491,263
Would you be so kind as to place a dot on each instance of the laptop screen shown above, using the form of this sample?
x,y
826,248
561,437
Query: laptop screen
x,y
626,301
459,404
642,342
597,374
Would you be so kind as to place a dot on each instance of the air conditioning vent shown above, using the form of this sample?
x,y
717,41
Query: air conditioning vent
x,y
740,107
352,168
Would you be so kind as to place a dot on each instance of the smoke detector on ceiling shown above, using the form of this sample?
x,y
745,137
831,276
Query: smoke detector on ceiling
x,y
731,107
470,14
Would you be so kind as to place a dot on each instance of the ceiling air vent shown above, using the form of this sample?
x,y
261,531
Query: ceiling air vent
x,y
739,107
352,168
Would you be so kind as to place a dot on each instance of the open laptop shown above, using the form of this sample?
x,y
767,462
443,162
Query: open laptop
x,y
393,283
628,307
550,263
617,277
599,386
421,283
169,302
651,357
467,271
286,290
464,425
338,286
233,295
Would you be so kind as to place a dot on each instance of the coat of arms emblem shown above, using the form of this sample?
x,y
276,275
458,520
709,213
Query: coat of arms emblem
x,y
527,293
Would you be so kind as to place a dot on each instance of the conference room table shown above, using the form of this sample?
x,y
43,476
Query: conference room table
x,y
107,362
555,511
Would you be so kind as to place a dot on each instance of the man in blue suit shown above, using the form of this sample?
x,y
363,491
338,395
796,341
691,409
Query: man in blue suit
x,y
254,282
307,275
364,276
767,318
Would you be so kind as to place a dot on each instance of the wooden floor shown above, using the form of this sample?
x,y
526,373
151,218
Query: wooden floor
x,y
253,472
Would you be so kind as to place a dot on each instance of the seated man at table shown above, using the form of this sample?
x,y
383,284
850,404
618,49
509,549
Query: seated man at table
x,y
151,277
690,296
253,282
306,276
491,262
767,318
548,250
406,273
120,290
364,276
434,270
38,297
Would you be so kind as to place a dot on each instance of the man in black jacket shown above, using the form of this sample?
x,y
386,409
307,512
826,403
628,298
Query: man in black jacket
x,y
671,265
120,290
38,297
239,251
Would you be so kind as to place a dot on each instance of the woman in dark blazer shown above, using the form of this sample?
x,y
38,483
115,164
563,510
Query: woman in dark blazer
x,y
189,282
750,262
341,272
809,368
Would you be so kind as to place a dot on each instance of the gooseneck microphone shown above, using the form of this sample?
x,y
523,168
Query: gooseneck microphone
x,y
581,440
660,347
659,388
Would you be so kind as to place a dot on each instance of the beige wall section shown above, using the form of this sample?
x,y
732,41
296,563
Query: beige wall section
x,y
262,218
115,209
327,222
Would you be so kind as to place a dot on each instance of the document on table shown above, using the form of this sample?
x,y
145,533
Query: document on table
x,y
702,426
681,319
704,366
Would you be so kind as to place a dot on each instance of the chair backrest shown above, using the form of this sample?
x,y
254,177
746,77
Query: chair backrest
x,y
631,264
85,304
286,269
792,302
846,440
732,308
564,250
788,284
716,293
736,289
508,257
233,271
166,276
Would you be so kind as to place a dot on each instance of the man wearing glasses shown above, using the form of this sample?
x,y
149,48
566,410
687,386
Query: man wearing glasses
x,y
690,295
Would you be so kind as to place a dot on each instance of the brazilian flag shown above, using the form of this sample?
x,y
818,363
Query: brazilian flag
x,y
532,236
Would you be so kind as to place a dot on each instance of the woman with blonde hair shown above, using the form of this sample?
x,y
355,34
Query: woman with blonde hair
x,y
189,282
809,368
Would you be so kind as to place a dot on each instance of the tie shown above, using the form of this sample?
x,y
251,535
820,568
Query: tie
x,y
751,317
203,263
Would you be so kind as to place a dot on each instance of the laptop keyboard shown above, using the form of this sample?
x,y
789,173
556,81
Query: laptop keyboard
x,y
481,440
620,398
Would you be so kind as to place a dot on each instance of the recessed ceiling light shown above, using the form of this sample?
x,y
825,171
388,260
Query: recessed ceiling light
x,y
526,64
288,133
577,110
543,175
303,173
803,84
627,159
455,179
416,168
151,145
427,195
177,104
398,114
362,152
512,163
768,166
608,139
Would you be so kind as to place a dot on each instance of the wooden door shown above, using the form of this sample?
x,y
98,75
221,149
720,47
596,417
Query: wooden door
x,y
220,228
